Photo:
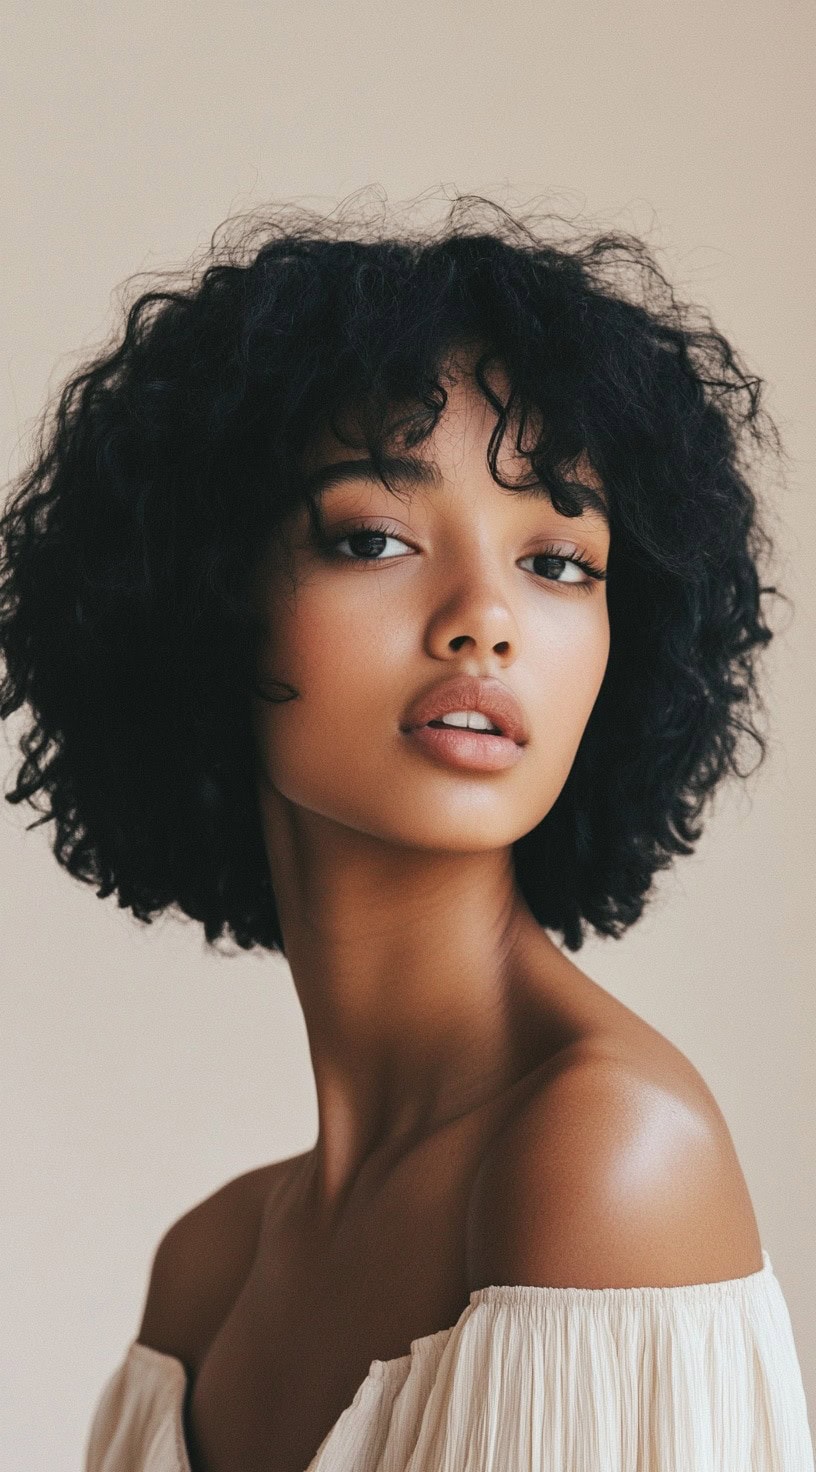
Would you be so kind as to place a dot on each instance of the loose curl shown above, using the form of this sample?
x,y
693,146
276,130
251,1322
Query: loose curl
x,y
127,545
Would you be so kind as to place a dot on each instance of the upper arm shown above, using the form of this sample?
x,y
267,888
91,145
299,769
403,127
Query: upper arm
x,y
608,1179
198,1269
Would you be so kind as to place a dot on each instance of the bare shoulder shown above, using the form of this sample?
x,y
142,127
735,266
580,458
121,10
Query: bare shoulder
x,y
617,1171
202,1261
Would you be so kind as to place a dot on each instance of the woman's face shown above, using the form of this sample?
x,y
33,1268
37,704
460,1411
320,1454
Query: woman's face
x,y
457,585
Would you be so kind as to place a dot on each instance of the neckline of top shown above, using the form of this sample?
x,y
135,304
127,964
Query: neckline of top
x,y
517,1292
526,1293
380,1371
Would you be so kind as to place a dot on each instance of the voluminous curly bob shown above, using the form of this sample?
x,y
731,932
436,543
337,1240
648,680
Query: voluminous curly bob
x,y
126,547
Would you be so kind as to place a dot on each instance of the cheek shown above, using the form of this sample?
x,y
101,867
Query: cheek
x,y
571,655
572,652
347,669
332,651
597,657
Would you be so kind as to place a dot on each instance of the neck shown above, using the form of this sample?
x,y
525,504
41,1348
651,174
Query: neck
x,y
413,969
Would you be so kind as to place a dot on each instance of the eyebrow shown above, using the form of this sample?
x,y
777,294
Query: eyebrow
x,y
407,471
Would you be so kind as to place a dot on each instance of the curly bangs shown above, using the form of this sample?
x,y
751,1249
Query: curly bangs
x,y
127,545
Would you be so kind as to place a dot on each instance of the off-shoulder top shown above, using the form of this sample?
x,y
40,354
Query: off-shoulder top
x,y
701,1377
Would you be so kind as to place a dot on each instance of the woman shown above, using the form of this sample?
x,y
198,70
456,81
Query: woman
x,y
389,602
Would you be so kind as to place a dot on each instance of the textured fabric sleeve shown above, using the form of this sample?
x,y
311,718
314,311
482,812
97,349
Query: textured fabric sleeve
x,y
698,1378
136,1423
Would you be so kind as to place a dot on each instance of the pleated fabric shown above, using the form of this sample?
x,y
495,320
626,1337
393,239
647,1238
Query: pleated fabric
x,y
698,1378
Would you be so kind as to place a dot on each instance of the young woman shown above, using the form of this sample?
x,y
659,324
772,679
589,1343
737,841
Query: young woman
x,y
390,602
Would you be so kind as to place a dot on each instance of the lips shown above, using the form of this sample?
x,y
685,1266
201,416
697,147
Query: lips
x,y
466,692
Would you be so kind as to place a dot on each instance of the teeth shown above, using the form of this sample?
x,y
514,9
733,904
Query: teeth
x,y
472,718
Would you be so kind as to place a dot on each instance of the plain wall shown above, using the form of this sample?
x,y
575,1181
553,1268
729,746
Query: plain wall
x,y
138,1071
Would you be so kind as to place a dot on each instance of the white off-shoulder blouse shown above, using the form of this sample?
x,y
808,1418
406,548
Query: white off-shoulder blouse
x,y
702,1377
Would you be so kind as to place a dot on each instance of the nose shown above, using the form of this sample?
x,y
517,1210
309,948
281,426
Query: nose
x,y
500,647
476,614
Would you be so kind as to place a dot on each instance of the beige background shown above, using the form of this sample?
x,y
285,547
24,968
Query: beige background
x,y
138,1072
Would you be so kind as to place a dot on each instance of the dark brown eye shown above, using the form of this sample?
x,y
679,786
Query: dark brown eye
x,y
592,572
374,536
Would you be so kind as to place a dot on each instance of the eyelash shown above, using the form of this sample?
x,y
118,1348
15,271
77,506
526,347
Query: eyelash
x,y
581,558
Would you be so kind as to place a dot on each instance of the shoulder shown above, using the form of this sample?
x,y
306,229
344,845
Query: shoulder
x,y
618,1171
201,1263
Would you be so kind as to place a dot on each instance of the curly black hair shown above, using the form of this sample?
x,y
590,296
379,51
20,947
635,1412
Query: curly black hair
x,y
126,547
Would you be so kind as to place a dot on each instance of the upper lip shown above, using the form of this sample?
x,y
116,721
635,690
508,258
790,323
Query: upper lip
x,y
465,692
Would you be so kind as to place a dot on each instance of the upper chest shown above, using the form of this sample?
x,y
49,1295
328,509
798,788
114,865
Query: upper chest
x,y
313,1313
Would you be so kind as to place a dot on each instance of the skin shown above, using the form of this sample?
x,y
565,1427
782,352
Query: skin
x,y
487,1112
409,946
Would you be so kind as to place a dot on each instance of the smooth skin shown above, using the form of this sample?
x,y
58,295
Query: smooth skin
x,y
487,1112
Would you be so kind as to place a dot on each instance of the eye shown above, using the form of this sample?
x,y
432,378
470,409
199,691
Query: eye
x,y
579,561
364,533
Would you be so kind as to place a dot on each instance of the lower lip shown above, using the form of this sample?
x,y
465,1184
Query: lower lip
x,y
457,746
